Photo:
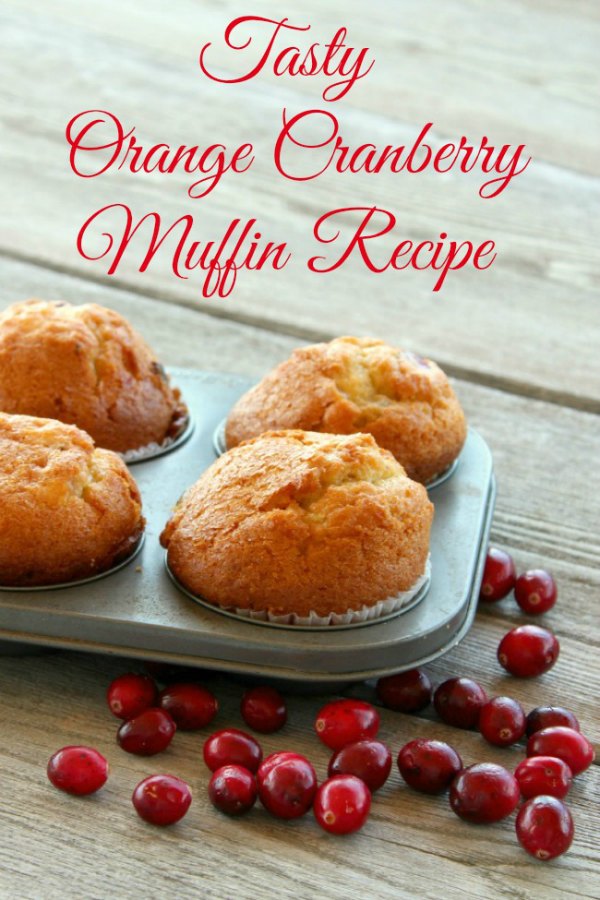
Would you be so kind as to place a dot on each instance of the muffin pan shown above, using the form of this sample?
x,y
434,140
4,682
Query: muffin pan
x,y
139,612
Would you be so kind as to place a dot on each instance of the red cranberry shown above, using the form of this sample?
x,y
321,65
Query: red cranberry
x,y
544,827
406,692
502,721
129,695
264,709
535,592
567,744
544,775
498,575
458,702
342,804
232,789
429,766
547,716
287,784
162,799
190,706
484,793
147,734
77,770
344,722
370,761
231,747
528,650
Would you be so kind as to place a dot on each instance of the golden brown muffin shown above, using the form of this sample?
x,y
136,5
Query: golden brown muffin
x,y
360,384
67,509
294,522
85,365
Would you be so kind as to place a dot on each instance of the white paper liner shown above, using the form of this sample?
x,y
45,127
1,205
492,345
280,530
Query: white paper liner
x,y
149,451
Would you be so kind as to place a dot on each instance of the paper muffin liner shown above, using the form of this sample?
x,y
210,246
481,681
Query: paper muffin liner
x,y
151,451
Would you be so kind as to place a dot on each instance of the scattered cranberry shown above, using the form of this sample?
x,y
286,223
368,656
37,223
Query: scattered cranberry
x,y
162,799
287,784
190,706
544,775
484,793
344,722
232,789
406,692
498,575
231,747
535,592
129,695
547,716
77,770
528,650
567,744
458,702
544,827
370,761
264,709
147,734
342,804
502,721
429,766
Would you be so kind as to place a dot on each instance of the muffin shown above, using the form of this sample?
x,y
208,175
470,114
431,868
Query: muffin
x,y
301,523
359,384
85,365
67,509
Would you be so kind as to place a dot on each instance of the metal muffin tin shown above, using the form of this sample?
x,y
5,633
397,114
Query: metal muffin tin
x,y
139,612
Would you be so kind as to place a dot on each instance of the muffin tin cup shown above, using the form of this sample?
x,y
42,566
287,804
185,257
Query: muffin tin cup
x,y
153,451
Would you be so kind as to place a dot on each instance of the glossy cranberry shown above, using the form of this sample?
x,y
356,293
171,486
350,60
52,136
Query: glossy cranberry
x,y
263,709
129,695
544,827
162,799
342,804
429,766
535,592
544,775
232,789
344,722
371,761
547,716
528,651
287,784
502,721
406,692
567,744
458,702
190,706
231,747
147,734
484,793
77,770
499,575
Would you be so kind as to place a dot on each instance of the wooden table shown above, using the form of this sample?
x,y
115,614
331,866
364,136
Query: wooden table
x,y
521,341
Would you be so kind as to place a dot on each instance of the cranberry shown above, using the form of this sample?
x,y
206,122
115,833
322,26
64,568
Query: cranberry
x,y
77,770
232,789
567,744
502,721
544,827
406,692
147,734
429,766
458,702
547,716
528,650
544,775
162,799
231,747
190,706
129,695
264,709
287,784
484,793
370,761
535,592
344,722
342,804
498,575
